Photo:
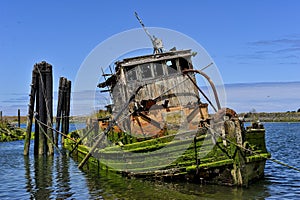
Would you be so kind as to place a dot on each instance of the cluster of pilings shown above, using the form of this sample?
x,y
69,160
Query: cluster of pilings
x,y
41,98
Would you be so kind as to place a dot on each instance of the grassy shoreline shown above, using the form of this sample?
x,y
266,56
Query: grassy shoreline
x,y
23,119
272,117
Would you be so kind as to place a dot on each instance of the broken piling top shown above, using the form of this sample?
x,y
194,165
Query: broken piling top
x,y
42,67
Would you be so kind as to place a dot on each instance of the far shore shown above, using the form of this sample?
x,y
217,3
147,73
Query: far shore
x,y
248,117
271,117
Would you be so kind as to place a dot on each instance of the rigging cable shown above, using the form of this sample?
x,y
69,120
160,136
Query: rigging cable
x,y
47,136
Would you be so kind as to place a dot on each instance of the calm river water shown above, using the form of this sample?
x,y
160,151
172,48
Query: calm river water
x,y
59,178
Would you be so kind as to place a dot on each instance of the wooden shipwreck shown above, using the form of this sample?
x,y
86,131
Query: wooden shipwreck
x,y
158,126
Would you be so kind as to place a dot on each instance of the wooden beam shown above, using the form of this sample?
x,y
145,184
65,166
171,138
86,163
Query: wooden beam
x,y
30,112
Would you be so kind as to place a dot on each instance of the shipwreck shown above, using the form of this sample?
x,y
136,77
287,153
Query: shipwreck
x,y
158,125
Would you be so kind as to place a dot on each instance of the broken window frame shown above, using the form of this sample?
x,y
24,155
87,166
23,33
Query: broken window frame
x,y
146,74
159,69
131,74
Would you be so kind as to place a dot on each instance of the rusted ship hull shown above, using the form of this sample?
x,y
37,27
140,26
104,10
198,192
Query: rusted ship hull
x,y
201,156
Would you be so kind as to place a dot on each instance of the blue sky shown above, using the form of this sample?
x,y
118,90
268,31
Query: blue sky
x,y
250,41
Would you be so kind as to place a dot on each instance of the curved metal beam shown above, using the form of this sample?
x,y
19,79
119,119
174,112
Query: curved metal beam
x,y
186,71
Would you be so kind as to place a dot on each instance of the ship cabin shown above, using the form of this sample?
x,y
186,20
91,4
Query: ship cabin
x,y
164,98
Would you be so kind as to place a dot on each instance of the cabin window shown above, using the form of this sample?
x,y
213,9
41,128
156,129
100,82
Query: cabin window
x,y
184,63
158,69
131,74
146,71
171,66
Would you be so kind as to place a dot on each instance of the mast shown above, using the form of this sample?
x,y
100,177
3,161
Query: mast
x,y
156,42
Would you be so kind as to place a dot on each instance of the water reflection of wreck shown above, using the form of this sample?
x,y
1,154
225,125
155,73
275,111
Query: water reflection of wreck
x,y
160,128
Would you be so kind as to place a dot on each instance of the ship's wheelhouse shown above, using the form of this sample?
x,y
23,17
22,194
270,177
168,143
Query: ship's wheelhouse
x,y
159,74
165,92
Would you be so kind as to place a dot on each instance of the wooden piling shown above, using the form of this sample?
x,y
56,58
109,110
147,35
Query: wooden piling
x,y
63,108
49,107
42,115
68,99
30,111
37,117
63,116
58,110
19,118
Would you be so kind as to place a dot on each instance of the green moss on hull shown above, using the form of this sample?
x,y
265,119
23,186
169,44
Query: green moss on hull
x,y
209,160
193,168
